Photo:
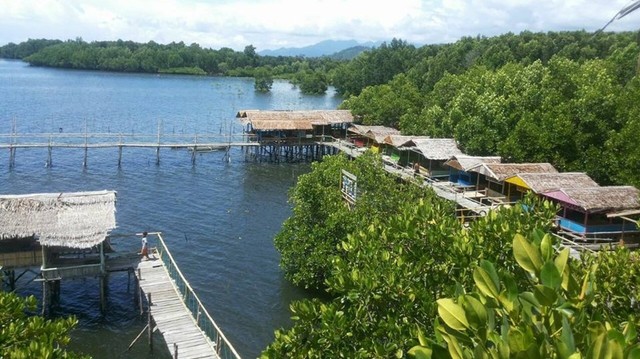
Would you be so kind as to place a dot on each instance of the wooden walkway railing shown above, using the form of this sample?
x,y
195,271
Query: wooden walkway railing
x,y
188,329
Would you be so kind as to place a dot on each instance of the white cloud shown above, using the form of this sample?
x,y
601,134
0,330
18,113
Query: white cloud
x,y
269,24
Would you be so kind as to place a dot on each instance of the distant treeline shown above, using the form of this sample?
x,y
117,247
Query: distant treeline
x,y
151,57
568,98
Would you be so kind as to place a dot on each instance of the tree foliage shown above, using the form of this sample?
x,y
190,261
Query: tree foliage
x,y
384,273
321,219
23,335
556,315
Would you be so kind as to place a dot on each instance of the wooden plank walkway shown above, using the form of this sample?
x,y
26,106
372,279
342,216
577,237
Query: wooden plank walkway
x,y
171,316
132,145
407,174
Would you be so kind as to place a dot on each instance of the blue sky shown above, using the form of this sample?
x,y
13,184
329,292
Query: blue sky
x,y
271,24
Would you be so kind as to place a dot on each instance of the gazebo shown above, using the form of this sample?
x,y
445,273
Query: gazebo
x,y
64,232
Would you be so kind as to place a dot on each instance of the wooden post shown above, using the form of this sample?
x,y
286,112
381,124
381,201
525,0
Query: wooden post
x,y
12,157
103,294
140,292
86,142
120,153
12,150
158,148
45,297
49,162
149,326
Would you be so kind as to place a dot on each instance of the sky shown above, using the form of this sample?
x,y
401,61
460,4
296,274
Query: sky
x,y
273,24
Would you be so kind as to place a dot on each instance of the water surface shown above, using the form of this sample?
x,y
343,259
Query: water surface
x,y
217,217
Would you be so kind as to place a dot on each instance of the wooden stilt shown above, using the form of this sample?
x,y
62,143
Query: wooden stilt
x,y
158,148
49,162
103,293
45,297
139,296
120,156
149,326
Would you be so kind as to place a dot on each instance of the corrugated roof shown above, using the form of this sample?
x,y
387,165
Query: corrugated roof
x,y
500,171
464,162
74,220
599,199
293,120
545,182
438,149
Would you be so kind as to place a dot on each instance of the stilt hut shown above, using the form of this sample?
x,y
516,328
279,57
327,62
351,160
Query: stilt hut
x,y
69,229
539,183
493,175
594,211
460,166
295,126
370,136
395,147
432,153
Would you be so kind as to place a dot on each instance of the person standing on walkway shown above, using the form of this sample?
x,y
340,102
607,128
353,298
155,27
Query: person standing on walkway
x,y
145,246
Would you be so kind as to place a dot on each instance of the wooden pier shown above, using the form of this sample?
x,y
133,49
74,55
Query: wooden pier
x,y
176,311
295,149
442,189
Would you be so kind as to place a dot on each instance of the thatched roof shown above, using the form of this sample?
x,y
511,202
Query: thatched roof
x,y
599,199
293,120
438,149
465,162
545,182
74,220
402,141
500,171
376,133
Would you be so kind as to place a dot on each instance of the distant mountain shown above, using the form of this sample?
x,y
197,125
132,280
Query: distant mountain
x,y
350,53
324,48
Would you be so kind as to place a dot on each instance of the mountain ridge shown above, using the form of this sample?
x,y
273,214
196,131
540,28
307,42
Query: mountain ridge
x,y
322,48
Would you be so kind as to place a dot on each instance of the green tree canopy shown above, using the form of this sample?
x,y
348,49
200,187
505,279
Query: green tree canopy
x,y
24,335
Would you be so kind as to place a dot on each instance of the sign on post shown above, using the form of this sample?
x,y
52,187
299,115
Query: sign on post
x,y
349,187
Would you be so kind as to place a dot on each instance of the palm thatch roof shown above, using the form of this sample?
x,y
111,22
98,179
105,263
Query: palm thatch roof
x,y
73,220
500,171
402,141
465,162
438,149
599,199
545,182
376,133
292,120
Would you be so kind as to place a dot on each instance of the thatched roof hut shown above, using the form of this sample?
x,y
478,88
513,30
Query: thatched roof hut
x,y
73,220
401,142
465,162
544,182
292,120
598,199
437,149
500,171
376,133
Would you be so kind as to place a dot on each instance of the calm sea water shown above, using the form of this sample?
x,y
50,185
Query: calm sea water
x,y
217,217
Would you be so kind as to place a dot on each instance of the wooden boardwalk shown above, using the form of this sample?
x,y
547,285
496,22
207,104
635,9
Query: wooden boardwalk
x,y
407,174
171,316
176,310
